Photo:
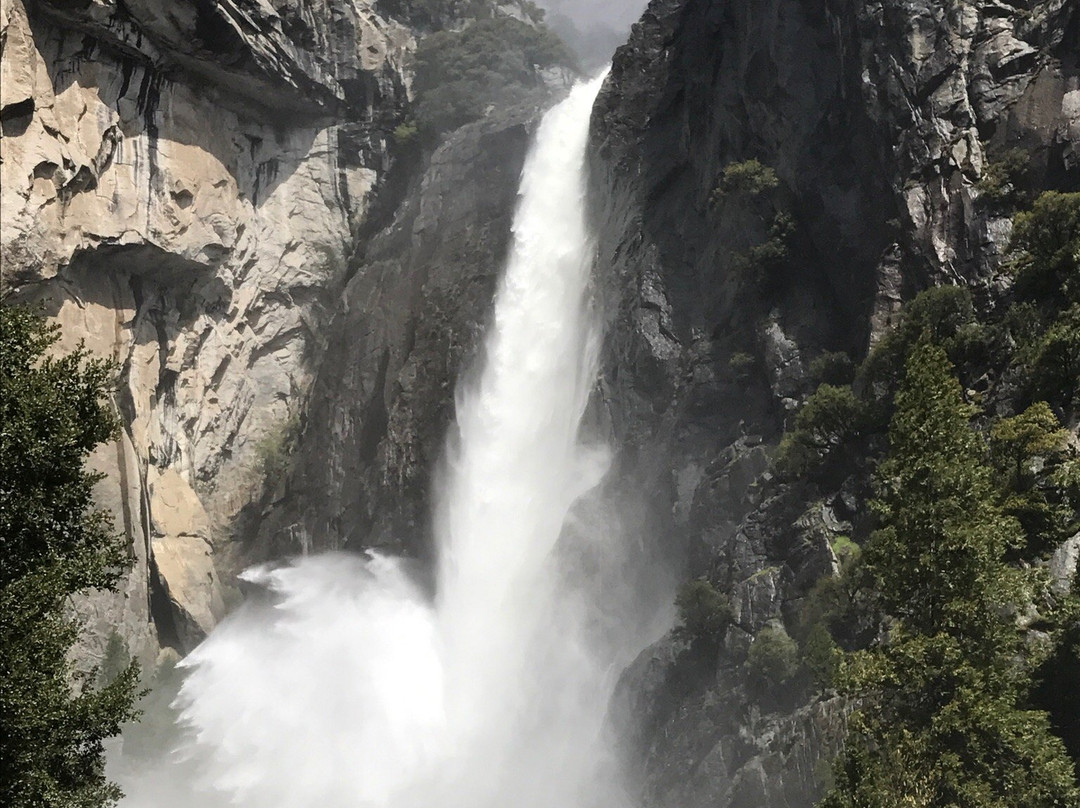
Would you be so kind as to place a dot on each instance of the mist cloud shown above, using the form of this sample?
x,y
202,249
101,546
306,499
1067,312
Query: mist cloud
x,y
592,28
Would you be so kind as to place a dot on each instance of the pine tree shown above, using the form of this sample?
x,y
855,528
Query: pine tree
x,y
53,720
942,722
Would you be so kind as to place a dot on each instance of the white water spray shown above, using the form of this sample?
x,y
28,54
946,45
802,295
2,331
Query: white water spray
x,y
345,686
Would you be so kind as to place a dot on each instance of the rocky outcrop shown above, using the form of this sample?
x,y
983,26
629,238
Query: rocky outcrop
x,y
881,121
183,564
182,186
410,321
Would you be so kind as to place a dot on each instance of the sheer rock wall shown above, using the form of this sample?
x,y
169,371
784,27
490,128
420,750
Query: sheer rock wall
x,y
879,120
182,186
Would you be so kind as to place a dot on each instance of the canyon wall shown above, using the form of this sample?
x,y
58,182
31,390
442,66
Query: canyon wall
x,y
182,187
211,194
880,122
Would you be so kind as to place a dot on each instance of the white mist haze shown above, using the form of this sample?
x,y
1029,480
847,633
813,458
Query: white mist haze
x,y
617,15
343,684
592,28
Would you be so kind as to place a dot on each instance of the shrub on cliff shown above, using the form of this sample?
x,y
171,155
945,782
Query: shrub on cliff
x,y
749,178
1030,453
703,612
773,659
1045,246
53,543
830,418
460,74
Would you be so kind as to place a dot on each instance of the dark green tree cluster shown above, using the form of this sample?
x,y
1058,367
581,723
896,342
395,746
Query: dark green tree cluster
x,y
703,613
747,193
964,704
832,419
773,659
944,720
492,62
1046,325
53,543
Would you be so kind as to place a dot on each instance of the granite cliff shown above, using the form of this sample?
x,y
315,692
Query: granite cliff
x,y
873,127
218,197
182,188
212,194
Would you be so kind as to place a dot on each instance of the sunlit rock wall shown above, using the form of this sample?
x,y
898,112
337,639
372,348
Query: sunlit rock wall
x,y
182,185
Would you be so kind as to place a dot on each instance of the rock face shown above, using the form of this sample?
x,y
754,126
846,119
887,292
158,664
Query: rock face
x,y
879,121
410,320
182,186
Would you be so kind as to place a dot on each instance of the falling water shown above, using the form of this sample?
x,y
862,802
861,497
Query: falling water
x,y
344,685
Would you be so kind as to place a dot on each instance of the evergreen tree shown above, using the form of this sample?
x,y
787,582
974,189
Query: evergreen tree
x,y
943,722
53,721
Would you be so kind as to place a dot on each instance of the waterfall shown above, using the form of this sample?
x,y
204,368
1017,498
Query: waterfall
x,y
346,685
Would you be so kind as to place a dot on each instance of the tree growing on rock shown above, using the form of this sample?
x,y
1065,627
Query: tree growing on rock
x,y
943,719
53,543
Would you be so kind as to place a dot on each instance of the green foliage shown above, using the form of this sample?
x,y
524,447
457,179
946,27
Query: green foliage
x,y
832,417
773,658
750,178
944,722
1015,442
1055,360
846,551
1028,451
834,368
1057,676
934,501
1046,248
703,612
116,660
1003,180
405,134
741,363
821,655
53,722
944,314
460,74
761,258
275,449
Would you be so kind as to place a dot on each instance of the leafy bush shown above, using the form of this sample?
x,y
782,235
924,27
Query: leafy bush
x,y
405,134
275,449
1016,442
830,418
945,711
761,258
773,658
749,178
116,660
834,368
1046,248
1055,365
460,74
741,363
821,655
1003,180
944,314
703,612
1029,452
847,552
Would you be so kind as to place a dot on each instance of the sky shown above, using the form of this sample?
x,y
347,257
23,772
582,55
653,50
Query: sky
x,y
613,14
592,28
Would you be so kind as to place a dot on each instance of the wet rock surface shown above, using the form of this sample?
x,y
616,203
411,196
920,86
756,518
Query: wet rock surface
x,y
879,121
410,322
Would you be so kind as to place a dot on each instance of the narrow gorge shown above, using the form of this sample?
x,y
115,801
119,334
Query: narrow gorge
x,y
489,435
